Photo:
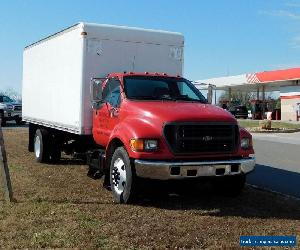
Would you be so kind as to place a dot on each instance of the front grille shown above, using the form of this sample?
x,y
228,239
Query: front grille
x,y
200,138
17,108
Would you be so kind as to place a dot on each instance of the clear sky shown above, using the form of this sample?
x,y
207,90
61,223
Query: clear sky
x,y
222,37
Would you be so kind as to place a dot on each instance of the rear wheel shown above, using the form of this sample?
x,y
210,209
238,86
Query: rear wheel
x,y
55,149
55,154
41,151
122,177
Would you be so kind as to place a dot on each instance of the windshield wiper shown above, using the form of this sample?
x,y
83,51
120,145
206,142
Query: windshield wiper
x,y
140,97
164,97
187,98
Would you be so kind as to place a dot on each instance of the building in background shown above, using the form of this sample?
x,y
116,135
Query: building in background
x,y
286,81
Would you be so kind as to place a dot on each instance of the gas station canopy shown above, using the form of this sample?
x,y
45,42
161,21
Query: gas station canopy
x,y
271,80
287,81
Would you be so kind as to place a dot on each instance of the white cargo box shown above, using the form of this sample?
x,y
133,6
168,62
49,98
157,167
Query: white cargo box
x,y
57,70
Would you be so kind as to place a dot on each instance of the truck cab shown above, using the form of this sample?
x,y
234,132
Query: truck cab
x,y
10,110
157,126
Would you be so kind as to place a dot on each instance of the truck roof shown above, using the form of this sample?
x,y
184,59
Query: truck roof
x,y
158,74
120,33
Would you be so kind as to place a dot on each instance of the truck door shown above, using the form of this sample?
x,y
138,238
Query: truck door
x,y
107,116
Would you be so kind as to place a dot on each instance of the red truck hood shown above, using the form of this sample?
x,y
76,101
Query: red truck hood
x,y
179,111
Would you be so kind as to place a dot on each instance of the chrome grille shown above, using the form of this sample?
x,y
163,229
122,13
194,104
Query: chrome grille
x,y
18,108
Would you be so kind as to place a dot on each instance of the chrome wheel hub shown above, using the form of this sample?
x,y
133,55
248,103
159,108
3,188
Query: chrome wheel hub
x,y
119,176
37,147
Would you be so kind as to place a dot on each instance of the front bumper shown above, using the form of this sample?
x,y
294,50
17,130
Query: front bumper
x,y
165,170
11,114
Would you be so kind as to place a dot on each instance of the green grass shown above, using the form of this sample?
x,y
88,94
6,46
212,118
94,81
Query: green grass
x,y
50,225
14,168
275,124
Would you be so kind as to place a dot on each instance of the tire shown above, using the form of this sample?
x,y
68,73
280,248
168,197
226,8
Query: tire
x,y
230,186
54,150
41,151
122,177
55,154
19,121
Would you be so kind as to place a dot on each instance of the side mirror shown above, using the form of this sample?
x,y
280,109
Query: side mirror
x,y
96,92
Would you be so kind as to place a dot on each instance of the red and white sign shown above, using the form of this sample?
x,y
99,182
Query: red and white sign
x,y
274,76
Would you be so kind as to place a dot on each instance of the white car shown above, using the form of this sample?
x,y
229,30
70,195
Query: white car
x,y
10,110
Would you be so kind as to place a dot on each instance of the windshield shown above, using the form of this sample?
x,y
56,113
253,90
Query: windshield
x,y
161,88
5,99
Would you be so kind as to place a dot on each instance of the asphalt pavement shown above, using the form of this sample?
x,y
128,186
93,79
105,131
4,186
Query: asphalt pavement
x,y
278,162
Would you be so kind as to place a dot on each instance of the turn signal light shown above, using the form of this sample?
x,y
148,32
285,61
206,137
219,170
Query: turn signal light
x,y
144,144
137,144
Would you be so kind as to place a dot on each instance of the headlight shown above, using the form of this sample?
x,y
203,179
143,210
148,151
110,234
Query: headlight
x,y
9,106
150,145
144,144
245,143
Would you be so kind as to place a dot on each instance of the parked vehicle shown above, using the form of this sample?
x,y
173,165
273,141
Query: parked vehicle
x,y
239,111
10,110
130,121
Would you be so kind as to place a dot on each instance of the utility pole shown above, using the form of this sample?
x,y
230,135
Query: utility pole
x,y
5,183
210,93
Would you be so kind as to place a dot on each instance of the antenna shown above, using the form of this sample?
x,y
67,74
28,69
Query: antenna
x,y
133,64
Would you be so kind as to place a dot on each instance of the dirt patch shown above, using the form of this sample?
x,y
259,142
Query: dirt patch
x,y
58,206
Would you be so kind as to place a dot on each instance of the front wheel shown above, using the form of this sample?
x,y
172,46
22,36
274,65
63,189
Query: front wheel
x,y
122,177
